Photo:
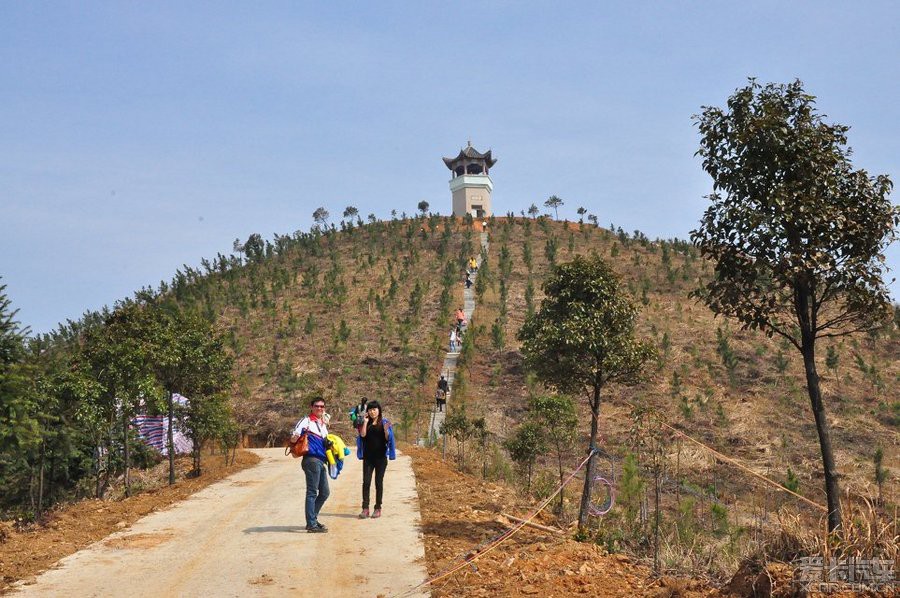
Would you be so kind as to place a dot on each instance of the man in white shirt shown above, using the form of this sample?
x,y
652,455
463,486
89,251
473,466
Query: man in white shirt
x,y
314,463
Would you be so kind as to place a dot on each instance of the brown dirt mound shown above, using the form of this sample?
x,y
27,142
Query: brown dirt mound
x,y
460,512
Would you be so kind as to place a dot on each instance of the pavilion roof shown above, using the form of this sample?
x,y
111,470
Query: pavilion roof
x,y
470,153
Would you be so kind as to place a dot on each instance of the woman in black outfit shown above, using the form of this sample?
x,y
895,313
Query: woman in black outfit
x,y
374,445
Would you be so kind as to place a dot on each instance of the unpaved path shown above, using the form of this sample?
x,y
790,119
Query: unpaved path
x,y
246,536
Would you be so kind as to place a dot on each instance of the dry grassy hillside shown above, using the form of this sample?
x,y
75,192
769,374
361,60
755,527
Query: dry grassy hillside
x,y
754,409
355,315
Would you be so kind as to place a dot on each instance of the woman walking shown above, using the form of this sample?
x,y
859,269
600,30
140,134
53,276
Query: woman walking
x,y
374,446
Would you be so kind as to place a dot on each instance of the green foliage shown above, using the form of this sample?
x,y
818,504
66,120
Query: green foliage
x,y
791,481
832,359
719,515
320,217
725,351
686,523
554,202
583,338
460,427
870,372
529,298
561,416
796,235
498,335
525,445
781,362
310,325
881,474
630,491
527,256
550,248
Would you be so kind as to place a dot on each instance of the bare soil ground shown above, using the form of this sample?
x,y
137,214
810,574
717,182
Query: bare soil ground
x,y
460,512
34,548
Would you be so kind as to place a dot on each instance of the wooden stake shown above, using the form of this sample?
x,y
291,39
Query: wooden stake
x,y
534,525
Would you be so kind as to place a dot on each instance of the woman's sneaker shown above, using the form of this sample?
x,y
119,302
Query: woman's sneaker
x,y
376,514
364,514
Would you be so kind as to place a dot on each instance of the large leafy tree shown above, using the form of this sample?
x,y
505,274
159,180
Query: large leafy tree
x,y
797,235
189,359
19,424
118,354
583,339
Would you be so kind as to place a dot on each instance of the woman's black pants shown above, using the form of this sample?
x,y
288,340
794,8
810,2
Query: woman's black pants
x,y
376,467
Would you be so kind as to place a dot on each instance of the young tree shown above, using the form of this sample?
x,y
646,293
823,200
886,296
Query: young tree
x,y
320,216
525,446
554,202
582,339
581,212
533,210
423,207
239,248
560,421
350,213
881,474
796,234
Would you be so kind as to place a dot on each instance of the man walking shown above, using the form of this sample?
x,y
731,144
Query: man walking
x,y
443,389
314,463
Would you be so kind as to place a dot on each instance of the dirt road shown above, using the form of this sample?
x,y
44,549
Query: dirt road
x,y
246,536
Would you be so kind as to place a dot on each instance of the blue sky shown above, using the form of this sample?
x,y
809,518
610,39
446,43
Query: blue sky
x,y
137,137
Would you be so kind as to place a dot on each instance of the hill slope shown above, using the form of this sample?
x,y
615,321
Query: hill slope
x,y
365,312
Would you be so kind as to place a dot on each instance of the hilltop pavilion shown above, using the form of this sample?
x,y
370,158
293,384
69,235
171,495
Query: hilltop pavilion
x,y
471,184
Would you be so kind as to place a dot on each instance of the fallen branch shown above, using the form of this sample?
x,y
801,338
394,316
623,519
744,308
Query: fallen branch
x,y
552,530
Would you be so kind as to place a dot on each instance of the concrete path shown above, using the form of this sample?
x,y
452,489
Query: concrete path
x,y
245,536
449,367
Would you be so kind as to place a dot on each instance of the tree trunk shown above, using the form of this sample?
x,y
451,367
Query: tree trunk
x,y
806,316
40,501
832,489
171,440
126,454
97,462
562,489
589,472
656,476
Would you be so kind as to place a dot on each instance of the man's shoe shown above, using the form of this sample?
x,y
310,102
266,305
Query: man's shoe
x,y
364,514
321,527
376,514
317,530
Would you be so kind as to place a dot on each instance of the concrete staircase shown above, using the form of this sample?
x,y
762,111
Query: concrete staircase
x,y
449,367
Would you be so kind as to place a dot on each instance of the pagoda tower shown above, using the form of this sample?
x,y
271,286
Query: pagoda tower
x,y
471,184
